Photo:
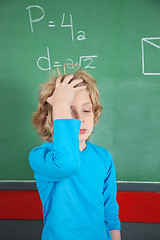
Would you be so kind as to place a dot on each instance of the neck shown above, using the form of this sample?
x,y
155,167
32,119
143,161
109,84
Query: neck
x,y
82,145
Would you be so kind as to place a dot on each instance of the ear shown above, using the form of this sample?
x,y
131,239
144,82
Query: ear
x,y
50,100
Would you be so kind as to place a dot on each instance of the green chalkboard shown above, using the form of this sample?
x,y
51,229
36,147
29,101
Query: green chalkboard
x,y
118,42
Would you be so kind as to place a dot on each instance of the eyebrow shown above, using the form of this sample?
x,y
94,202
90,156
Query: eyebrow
x,y
84,104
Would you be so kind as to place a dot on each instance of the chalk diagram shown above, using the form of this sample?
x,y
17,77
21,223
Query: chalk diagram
x,y
155,45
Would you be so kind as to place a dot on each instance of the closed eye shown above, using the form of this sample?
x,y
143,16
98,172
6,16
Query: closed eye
x,y
83,111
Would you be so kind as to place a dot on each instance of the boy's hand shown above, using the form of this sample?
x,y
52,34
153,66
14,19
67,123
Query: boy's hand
x,y
64,93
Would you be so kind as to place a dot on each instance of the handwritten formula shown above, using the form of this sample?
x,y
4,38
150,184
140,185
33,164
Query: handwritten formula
x,y
45,62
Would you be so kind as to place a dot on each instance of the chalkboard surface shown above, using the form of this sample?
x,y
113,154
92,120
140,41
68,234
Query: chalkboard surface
x,y
117,42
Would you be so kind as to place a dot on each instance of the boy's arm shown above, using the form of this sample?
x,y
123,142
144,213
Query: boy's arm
x,y
111,207
62,158
115,234
61,111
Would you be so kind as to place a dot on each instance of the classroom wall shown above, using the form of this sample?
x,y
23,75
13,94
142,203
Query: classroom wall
x,y
21,211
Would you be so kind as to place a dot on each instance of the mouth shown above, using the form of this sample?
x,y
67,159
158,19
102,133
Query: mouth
x,y
82,131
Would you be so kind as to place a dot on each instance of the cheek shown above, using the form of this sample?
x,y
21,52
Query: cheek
x,y
91,119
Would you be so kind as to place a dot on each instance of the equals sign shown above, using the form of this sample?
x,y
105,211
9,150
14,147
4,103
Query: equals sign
x,y
51,24
57,65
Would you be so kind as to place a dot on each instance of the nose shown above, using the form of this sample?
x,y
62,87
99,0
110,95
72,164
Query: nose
x,y
80,117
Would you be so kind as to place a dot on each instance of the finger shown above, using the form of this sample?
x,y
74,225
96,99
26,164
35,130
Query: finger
x,y
75,82
80,88
59,79
68,78
59,73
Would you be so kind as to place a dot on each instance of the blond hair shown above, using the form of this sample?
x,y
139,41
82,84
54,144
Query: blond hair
x,y
42,118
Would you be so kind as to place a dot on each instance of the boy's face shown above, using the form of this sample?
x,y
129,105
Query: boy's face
x,y
81,109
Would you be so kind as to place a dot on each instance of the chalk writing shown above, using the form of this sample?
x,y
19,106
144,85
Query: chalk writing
x,y
71,25
30,15
44,62
51,23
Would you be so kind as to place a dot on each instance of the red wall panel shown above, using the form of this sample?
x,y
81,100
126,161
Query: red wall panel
x,y
133,206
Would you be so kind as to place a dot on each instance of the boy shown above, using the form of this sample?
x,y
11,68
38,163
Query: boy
x,y
76,179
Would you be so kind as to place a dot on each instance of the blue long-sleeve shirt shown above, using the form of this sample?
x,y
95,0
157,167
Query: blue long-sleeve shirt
x,y
77,188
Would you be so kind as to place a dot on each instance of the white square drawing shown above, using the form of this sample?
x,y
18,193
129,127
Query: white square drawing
x,y
149,41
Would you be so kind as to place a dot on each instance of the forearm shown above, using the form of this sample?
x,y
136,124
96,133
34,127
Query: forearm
x,y
61,159
61,112
115,234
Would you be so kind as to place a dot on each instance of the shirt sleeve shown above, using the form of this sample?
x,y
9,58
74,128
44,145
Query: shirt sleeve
x,y
111,207
60,159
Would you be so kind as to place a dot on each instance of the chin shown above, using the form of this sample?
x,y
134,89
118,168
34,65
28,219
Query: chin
x,y
83,138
